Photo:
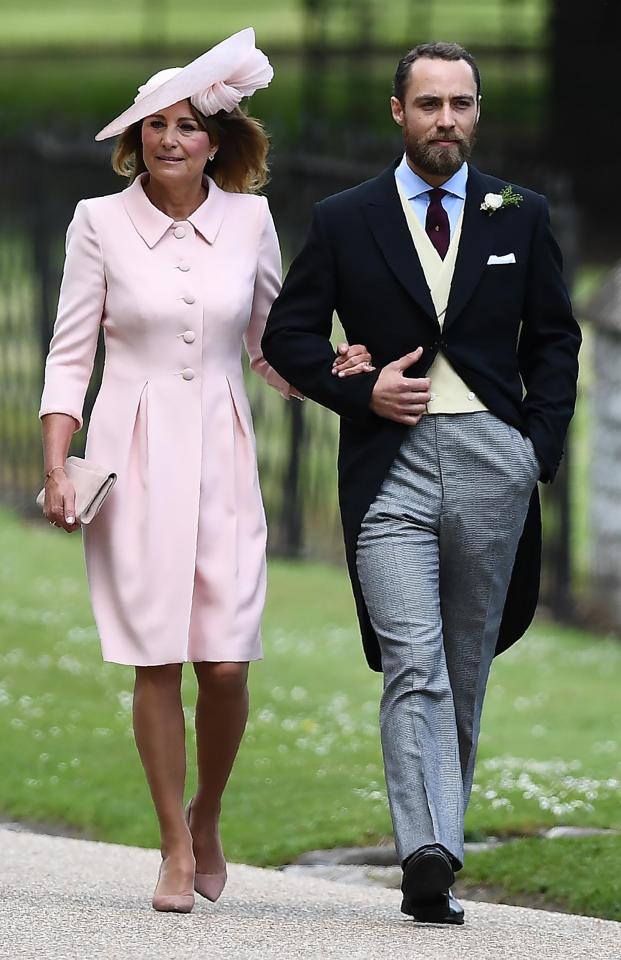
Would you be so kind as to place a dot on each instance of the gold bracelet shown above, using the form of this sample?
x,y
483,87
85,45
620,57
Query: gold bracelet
x,y
50,472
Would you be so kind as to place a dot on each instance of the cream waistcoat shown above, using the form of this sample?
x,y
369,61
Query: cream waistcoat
x,y
449,393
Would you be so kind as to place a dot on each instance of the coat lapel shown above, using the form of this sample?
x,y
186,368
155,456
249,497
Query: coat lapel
x,y
387,222
475,245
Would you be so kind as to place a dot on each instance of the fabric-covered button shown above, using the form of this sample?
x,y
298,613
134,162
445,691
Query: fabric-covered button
x,y
189,298
184,266
189,336
188,374
179,232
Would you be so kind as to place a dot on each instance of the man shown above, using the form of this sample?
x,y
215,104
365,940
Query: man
x,y
453,281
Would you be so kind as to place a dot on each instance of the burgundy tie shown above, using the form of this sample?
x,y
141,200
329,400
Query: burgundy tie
x,y
437,222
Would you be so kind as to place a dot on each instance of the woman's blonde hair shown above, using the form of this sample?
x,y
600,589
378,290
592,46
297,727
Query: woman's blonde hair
x,y
239,166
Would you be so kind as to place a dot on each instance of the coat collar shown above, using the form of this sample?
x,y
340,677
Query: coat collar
x,y
151,223
477,238
384,213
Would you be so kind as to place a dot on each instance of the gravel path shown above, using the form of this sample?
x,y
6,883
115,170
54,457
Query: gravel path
x,y
63,899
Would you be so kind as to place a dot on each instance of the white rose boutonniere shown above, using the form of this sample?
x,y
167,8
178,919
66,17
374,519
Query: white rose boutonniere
x,y
497,201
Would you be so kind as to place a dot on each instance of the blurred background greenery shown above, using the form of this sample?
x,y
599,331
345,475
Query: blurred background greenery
x,y
309,773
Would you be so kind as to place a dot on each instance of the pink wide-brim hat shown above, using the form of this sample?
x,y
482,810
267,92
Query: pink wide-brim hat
x,y
217,80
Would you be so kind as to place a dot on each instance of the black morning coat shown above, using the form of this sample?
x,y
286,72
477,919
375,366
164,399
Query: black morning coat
x,y
509,332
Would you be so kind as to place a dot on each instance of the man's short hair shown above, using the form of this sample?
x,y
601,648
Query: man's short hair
x,y
432,51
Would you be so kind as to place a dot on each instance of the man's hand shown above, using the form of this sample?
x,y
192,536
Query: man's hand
x,y
400,398
351,360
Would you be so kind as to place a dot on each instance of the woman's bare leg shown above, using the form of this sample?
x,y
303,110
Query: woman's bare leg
x,y
159,729
221,715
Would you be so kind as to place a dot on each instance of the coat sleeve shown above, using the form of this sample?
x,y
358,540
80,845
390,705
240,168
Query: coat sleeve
x,y
548,349
72,350
297,337
266,287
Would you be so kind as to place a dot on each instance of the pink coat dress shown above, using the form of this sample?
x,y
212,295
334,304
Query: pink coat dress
x,y
176,557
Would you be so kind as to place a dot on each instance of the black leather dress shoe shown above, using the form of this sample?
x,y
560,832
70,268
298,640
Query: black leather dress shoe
x,y
427,878
443,910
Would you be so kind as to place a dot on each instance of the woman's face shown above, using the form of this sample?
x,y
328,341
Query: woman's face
x,y
174,146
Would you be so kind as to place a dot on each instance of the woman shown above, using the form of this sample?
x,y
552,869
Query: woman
x,y
178,269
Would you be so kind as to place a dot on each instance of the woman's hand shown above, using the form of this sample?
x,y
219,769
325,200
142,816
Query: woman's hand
x,y
351,360
59,506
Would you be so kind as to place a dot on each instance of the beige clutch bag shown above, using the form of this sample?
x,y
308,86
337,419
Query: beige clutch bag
x,y
92,485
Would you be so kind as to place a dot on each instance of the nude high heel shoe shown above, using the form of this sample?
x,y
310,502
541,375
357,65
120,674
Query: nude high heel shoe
x,y
209,885
171,902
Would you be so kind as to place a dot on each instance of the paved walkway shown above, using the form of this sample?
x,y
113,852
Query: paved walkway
x,y
62,899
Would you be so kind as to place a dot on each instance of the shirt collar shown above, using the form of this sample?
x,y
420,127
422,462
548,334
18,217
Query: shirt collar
x,y
152,223
413,185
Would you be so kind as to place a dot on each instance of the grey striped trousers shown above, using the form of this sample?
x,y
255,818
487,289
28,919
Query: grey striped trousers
x,y
435,555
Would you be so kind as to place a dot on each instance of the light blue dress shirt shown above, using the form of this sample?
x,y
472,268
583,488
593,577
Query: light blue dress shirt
x,y
417,192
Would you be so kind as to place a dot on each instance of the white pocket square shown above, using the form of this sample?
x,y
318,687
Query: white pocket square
x,y
506,258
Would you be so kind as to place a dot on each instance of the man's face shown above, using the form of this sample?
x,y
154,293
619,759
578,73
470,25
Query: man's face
x,y
439,115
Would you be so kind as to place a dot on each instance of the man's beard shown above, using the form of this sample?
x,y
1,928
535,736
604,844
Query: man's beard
x,y
434,159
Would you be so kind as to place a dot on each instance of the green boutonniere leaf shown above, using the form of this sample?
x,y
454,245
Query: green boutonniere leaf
x,y
509,198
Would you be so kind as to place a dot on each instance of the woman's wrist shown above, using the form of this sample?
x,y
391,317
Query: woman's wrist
x,y
51,471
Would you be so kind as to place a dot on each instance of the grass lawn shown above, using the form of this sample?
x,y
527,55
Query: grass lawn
x,y
30,24
309,773
581,875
